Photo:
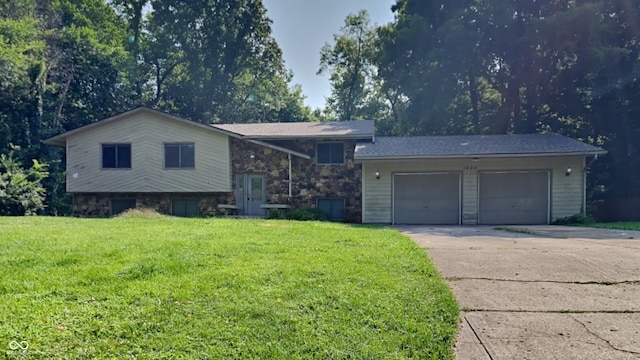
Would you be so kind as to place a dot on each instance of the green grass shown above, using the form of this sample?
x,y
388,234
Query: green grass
x,y
218,288
615,225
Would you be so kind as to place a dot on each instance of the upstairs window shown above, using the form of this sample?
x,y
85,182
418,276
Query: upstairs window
x,y
330,153
179,156
116,156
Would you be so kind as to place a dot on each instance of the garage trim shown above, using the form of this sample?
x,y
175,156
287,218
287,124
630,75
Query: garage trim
x,y
549,173
393,189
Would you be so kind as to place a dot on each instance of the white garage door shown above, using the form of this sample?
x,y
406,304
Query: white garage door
x,y
517,198
432,199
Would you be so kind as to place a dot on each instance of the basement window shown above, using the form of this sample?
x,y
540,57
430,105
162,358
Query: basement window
x,y
332,208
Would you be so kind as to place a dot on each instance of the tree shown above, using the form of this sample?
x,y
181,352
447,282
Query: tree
x,y
349,63
21,191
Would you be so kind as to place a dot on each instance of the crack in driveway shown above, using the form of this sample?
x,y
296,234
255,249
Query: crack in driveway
x,y
603,339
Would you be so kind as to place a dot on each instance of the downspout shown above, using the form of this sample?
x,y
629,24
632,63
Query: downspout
x,y
584,185
289,156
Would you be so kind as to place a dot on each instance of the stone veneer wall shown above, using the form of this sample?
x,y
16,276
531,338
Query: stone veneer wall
x,y
97,204
310,181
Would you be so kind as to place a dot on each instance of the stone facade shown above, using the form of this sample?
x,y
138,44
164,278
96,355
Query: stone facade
x,y
98,204
310,182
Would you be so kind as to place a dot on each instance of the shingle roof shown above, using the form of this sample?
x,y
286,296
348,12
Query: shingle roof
x,y
359,129
472,145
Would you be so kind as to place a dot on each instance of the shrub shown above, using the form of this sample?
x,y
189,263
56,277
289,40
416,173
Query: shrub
x,y
576,219
305,214
275,214
21,190
140,213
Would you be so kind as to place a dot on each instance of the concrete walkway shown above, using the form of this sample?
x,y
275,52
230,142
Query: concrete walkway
x,y
557,293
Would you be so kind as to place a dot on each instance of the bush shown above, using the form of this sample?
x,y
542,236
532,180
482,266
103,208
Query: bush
x,y
140,213
305,214
21,190
275,214
576,219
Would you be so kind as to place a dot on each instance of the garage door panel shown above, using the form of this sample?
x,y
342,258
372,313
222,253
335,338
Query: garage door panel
x,y
514,198
427,199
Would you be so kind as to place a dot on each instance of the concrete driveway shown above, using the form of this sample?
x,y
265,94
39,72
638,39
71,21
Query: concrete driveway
x,y
559,293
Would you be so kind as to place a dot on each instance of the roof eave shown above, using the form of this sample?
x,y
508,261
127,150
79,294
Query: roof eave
x,y
280,148
307,137
60,139
480,156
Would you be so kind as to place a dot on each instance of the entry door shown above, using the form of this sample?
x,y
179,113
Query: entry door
x,y
250,194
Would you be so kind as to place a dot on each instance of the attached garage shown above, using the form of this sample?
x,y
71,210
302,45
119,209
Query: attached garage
x,y
473,179
514,197
428,198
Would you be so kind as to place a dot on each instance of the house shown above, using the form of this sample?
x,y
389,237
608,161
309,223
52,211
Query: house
x,y
144,157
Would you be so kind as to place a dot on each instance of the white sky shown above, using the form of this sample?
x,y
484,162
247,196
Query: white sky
x,y
302,27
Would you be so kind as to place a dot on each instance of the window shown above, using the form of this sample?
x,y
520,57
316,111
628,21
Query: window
x,y
116,156
179,156
330,153
121,205
184,207
333,209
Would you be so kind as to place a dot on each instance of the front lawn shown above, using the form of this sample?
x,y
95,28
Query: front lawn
x,y
615,225
218,288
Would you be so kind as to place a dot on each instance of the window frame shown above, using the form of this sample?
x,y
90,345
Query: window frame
x,y
179,145
332,199
344,153
111,214
116,145
197,202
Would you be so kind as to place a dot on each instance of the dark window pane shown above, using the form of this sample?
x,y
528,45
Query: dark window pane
x,y
187,156
172,156
337,153
124,156
324,156
333,209
332,153
120,205
184,208
108,156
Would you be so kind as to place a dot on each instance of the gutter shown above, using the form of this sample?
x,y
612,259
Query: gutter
x,y
479,156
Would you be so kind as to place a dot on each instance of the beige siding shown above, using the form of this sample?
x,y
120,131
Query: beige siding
x,y
147,134
566,191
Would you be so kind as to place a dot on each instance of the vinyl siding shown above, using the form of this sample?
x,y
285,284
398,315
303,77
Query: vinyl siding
x,y
147,134
566,191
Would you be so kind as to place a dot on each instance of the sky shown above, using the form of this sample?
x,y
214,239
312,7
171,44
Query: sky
x,y
302,27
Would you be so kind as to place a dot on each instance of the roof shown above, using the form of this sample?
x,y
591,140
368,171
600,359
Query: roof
x,y
60,140
458,146
358,129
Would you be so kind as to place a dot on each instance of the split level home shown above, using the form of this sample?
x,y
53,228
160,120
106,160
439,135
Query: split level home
x,y
147,158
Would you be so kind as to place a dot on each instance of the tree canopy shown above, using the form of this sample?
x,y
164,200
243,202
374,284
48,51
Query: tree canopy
x,y
440,67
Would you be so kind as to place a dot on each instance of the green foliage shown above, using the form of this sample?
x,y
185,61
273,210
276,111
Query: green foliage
x,y
626,225
220,289
21,191
577,219
275,214
305,214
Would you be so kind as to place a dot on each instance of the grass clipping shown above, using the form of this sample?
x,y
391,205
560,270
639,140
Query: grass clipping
x,y
140,213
